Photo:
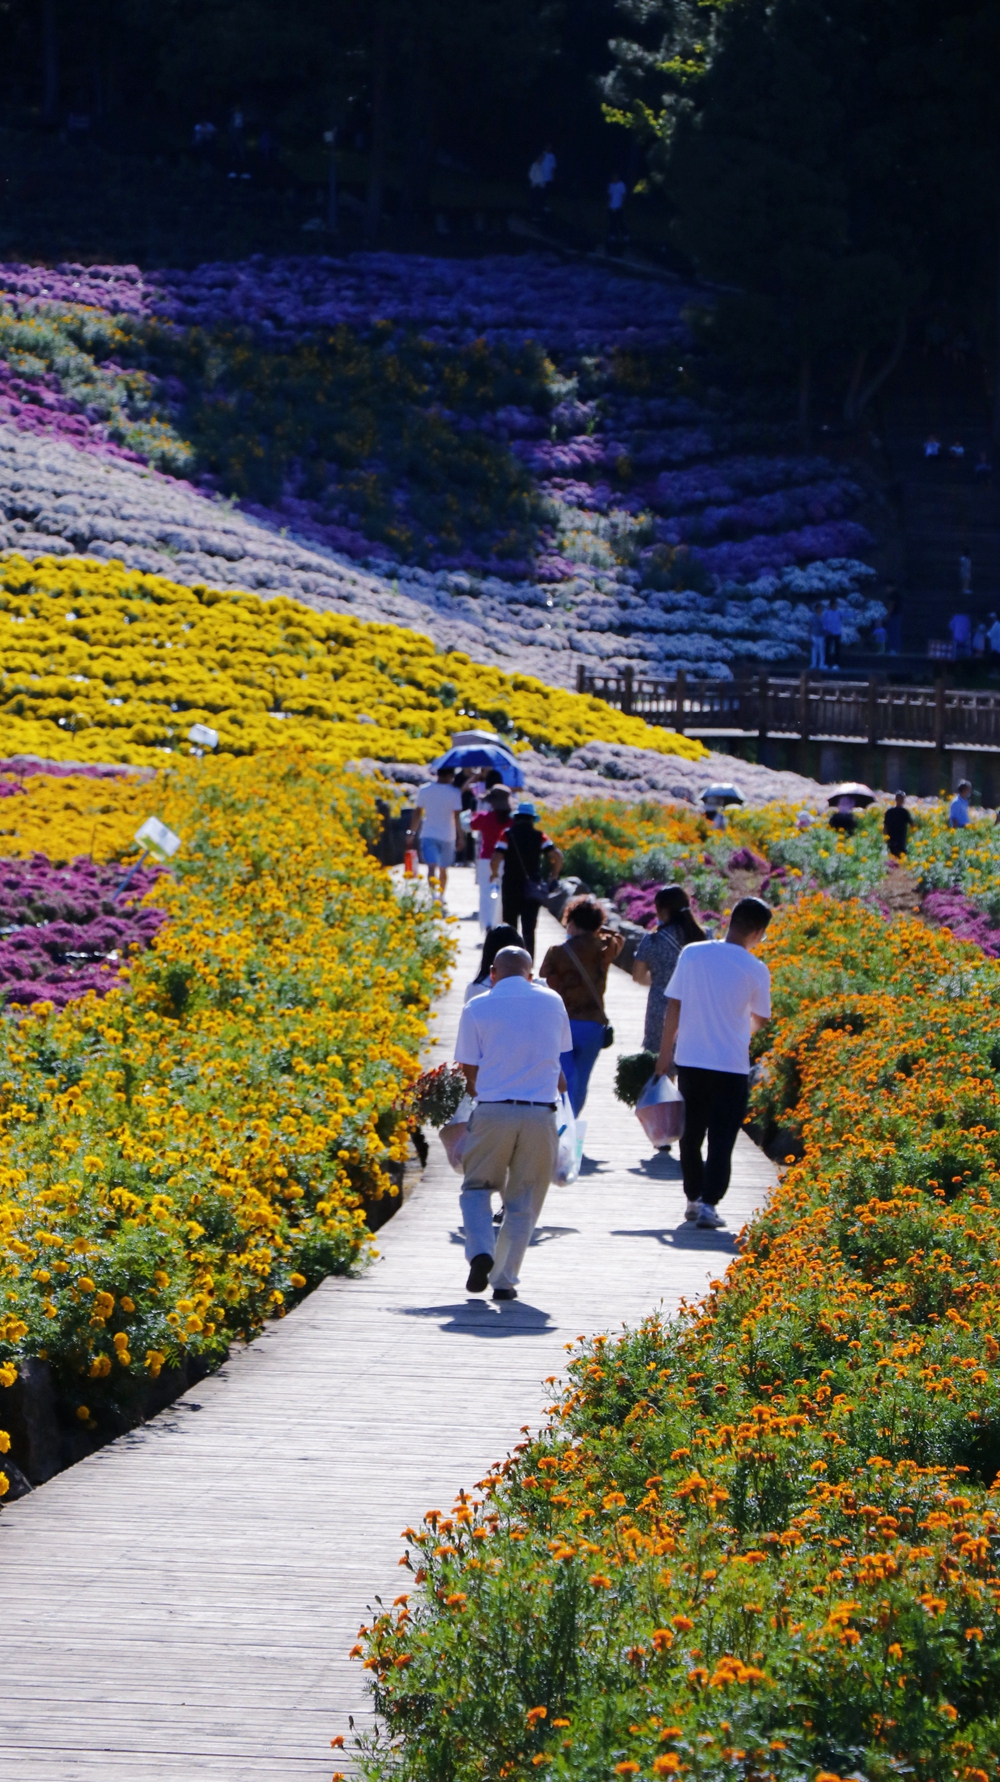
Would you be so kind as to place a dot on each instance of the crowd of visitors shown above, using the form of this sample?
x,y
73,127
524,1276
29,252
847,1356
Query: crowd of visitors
x,y
527,1044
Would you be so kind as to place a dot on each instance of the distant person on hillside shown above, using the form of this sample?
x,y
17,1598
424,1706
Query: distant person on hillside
x,y
616,214
844,818
932,446
958,812
979,641
203,141
833,626
658,953
984,469
894,628
993,637
436,822
956,452
960,630
895,825
718,997
817,638
965,572
541,173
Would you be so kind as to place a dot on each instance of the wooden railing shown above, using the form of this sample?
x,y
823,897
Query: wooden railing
x,y
761,705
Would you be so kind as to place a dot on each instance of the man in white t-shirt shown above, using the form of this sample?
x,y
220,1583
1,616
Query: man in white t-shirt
x,y
719,995
436,821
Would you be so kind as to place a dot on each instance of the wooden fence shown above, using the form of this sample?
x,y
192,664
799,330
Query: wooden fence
x,y
806,710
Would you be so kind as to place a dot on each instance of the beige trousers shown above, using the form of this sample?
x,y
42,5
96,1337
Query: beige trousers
x,y
511,1150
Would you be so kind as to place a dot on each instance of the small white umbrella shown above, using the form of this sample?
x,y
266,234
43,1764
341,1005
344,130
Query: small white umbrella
x,y
852,789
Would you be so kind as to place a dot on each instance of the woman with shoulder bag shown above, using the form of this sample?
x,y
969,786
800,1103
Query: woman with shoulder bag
x,y
578,971
529,861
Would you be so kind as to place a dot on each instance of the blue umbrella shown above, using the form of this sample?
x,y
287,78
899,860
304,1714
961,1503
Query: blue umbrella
x,y
483,755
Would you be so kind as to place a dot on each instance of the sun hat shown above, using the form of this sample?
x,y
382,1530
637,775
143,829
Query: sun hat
x,y
526,809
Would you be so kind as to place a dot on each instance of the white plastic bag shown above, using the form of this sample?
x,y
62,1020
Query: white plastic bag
x,y
454,1133
571,1136
660,1111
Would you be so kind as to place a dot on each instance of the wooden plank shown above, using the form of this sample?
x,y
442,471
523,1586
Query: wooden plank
x,y
182,1603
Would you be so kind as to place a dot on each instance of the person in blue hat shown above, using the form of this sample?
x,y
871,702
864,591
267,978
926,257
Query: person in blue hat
x,y
530,861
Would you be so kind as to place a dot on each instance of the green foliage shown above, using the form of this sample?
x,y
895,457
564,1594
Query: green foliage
x,y
780,132
633,1072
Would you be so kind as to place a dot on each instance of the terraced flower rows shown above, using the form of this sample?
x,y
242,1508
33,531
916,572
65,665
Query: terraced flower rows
x,y
510,438
102,665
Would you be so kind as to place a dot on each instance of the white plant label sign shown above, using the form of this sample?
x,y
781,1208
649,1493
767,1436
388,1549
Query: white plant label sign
x,y
157,839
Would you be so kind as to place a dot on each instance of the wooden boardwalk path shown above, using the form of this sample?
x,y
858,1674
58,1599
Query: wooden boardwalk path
x,y
182,1603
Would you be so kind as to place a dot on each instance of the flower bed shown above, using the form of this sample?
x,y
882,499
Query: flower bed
x,y
492,419
182,1159
759,1539
63,931
103,665
61,815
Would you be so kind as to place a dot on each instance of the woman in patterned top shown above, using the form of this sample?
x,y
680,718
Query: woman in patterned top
x,y
657,954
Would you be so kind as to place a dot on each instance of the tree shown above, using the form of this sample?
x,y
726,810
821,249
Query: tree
x,y
818,158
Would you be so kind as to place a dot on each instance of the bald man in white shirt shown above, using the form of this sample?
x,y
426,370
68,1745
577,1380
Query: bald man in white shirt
x,y
508,1046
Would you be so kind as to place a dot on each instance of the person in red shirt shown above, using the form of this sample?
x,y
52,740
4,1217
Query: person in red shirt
x,y
489,825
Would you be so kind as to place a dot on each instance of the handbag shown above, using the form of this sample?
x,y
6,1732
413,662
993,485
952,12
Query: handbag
x,y
535,890
609,1032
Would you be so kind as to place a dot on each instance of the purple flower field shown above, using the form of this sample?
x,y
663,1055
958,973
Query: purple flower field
x,y
61,933
636,497
505,298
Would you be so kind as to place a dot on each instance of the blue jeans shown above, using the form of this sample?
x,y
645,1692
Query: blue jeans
x,y
588,1038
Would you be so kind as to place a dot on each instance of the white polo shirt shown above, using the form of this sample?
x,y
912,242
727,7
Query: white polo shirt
x,y
719,986
515,1036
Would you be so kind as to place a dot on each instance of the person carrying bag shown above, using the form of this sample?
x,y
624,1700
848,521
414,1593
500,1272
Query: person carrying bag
x,y
578,970
522,852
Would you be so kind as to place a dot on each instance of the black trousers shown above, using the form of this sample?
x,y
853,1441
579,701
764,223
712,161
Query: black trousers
x,y
715,1103
518,909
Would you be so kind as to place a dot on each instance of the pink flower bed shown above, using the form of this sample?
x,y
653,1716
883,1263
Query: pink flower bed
x,y
951,909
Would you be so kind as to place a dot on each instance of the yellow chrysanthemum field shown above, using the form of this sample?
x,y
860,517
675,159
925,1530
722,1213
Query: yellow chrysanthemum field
x,y
100,663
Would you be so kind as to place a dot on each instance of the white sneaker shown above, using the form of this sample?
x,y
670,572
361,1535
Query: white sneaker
x,y
692,1211
709,1218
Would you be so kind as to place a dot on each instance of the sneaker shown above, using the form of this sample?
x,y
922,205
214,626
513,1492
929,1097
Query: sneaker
x,y
479,1274
691,1211
709,1218
505,1293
